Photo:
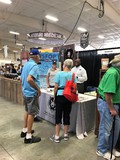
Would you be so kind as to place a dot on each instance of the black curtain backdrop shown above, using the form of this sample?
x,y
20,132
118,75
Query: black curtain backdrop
x,y
91,61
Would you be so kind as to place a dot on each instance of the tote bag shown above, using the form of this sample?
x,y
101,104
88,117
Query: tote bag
x,y
70,90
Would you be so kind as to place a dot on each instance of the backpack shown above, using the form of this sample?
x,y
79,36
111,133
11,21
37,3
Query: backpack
x,y
70,90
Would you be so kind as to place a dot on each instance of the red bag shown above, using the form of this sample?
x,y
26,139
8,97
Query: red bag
x,y
70,90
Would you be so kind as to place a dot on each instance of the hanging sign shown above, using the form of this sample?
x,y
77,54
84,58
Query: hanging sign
x,y
84,39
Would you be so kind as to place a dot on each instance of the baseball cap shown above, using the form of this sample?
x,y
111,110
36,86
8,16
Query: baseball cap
x,y
54,62
34,52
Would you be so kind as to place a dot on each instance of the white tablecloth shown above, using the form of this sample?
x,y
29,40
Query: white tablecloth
x,y
82,118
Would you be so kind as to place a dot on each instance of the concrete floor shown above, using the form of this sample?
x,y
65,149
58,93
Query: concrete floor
x,y
13,148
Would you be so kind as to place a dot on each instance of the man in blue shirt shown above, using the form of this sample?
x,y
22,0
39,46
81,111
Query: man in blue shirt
x,y
31,91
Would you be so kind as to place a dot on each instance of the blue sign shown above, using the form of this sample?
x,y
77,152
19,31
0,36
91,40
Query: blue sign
x,y
46,60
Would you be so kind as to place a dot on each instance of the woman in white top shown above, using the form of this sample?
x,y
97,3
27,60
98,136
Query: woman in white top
x,y
51,74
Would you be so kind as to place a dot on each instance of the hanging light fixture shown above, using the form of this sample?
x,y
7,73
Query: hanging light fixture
x,y
46,38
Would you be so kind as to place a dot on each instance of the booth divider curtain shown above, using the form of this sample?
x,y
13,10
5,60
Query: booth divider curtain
x,y
91,61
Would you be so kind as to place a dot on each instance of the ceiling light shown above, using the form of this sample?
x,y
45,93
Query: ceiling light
x,y
51,18
12,32
15,51
19,44
101,36
43,39
6,1
81,29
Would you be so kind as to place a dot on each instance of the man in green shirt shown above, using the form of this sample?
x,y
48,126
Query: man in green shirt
x,y
108,107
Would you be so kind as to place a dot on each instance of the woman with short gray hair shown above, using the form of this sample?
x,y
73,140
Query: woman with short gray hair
x,y
68,63
63,106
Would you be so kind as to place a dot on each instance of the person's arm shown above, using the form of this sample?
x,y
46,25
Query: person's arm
x,y
30,80
108,98
55,89
47,80
55,92
83,76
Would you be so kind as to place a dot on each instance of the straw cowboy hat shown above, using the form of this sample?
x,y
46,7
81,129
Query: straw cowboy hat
x,y
116,59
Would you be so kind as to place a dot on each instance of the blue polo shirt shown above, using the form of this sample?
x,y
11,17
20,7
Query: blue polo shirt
x,y
30,68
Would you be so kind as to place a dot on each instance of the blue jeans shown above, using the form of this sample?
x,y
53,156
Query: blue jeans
x,y
105,127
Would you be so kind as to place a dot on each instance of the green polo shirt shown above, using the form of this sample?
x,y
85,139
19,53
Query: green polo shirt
x,y
110,83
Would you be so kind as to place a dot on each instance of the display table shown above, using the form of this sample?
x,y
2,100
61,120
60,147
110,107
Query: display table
x,y
82,117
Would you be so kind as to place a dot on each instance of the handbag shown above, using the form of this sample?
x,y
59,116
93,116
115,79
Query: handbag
x,y
70,90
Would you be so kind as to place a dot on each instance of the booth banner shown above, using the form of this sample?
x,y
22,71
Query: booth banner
x,y
47,112
46,60
108,51
84,40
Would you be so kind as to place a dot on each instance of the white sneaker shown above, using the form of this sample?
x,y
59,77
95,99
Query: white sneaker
x,y
116,153
54,139
66,137
107,155
99,153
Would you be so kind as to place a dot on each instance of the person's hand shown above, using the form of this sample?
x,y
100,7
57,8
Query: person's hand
x,y
48,86
54,101
113,112
39,92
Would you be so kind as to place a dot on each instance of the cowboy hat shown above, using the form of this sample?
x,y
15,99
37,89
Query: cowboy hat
x,y
116,59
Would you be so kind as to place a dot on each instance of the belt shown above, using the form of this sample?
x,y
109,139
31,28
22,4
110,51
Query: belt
x,y
51,86
113,103
101,98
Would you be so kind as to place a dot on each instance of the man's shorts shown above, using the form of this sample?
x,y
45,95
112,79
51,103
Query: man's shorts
x,y
31,105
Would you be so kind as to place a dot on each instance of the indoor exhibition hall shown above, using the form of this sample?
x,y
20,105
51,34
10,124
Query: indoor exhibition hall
x,y
59,79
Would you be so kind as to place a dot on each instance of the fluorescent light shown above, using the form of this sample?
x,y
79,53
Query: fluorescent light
x,y
15,51
19,44
12,32
101,36
6,1
81,29
51,18
43,39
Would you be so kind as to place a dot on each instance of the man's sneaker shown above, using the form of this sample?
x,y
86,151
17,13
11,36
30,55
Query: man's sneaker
x,y
32,140
99,153
66,137
54,139
107,155
23,134
116,153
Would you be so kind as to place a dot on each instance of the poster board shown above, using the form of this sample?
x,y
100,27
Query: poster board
x,y
46,60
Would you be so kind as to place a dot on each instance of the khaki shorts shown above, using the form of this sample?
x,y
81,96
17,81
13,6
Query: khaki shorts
x,y
31,105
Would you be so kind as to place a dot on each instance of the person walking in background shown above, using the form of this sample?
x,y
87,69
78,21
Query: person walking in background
x,y
63,106
12,69
31,91
108,106
51,74
80,74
